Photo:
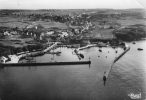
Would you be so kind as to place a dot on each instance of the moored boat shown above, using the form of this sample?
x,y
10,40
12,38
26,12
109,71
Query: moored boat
x,y
140,49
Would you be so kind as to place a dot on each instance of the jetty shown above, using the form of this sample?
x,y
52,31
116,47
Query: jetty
x,y
51,47
117,58
88,46
79,55
44,64
38,53
127,48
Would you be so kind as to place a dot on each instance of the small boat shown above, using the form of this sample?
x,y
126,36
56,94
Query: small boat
x,y
140,49
116,51
124,48
100,50
133,43
81,55
57,52
76,51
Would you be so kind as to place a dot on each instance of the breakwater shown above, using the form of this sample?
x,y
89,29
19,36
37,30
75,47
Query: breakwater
x,y
44,63
116,59
85,47
37,53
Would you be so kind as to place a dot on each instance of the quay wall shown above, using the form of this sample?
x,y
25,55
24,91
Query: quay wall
x,y
44,64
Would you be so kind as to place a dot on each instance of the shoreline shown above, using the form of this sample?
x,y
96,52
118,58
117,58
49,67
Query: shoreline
x,y
112,44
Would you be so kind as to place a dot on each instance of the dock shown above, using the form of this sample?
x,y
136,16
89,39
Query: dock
x,y
85,47
51,47
38,53
44,64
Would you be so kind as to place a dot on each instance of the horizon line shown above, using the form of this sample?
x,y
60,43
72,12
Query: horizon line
x,y
71,9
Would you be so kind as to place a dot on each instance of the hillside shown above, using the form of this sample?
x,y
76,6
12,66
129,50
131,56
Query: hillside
x,y
99,23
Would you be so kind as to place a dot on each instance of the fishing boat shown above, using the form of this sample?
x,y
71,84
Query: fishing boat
x,y
133,43
100,50
57,52
140,49
81,55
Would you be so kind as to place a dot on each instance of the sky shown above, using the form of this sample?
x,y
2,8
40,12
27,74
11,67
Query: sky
x,y
71,4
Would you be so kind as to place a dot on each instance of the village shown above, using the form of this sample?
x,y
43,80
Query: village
x,y
79,30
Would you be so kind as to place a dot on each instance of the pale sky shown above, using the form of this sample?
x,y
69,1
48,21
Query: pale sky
x,y
70,4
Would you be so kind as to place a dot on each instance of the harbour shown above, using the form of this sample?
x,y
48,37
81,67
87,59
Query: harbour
x,y
72,54
82,77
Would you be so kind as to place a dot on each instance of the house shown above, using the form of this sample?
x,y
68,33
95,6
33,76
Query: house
x,y
50,33
64,34
7,33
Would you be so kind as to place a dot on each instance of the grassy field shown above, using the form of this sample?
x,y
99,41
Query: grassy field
x,y
22,20
11,22
132,22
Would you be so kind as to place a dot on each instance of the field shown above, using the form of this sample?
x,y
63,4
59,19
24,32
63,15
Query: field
x,y
100,18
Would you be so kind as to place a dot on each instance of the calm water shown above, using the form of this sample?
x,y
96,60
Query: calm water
x,y
78,82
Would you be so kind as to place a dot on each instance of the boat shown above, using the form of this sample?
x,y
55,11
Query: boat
x,y
116,51
81,55
57,52
140,49
133,43
100,50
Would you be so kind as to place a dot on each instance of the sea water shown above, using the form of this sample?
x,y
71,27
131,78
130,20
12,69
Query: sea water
x,y
126,80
